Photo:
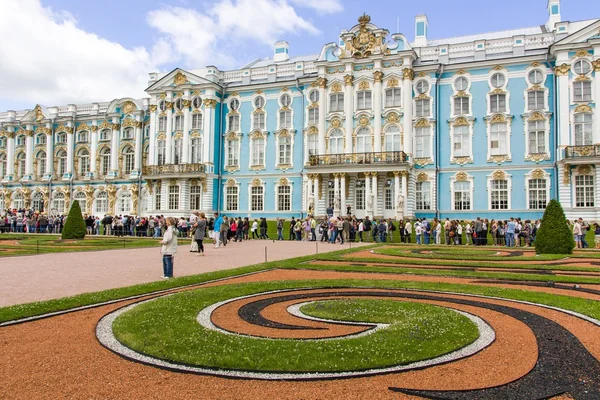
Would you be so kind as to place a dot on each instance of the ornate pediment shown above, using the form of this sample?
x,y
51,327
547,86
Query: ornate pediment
x,y
364,40
35,116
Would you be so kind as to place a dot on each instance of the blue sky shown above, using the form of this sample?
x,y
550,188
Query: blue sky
x,y
83,51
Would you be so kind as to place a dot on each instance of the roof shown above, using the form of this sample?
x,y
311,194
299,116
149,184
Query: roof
x,y
265,62
536,30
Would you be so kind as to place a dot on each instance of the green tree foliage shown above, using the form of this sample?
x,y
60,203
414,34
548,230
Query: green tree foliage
x,y
555,235
75,225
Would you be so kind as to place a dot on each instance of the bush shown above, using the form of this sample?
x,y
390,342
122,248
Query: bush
x,y
75,225
554,235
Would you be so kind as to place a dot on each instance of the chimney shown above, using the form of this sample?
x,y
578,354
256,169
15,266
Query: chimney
x,y
282,50
421,27
553,14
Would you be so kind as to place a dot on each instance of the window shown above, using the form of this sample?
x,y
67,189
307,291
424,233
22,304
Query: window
x,y
178,151
41,160
285,100
3,165
582,91
499,193
105,135
21,140
197,121
128,160
196,150
583,129
82,137
535,100
173,197
41,139
234,104
392,97
285,119
462,196
498,139
196,197
179,104
162,106
582,67
461,105
84,162
461,142
160,151
128,134
162,124
197,102
102,203
392,138
389,195
62,163
313,145
423,108
259,121
363,141
179,122
60,138
38,202
537,136
233,148
498,103
423,195
584,191
19,202
231,203
234,122
259,102
364,100
285,150
359,191
104,161
58,203
498,80
284,198
461,84
336,142
537,194
257,198
258,151
158,199
422,142
336,102
80,198
21,164
535,77
313,96
313,116
422,87
124,203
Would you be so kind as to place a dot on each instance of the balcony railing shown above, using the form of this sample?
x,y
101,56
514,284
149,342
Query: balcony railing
x,y
173,169
582,151
387,157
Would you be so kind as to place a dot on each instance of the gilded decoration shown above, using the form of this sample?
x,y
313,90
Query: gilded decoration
x,y
583,108
537,174
210,103
29,133
348,80
423,123
322,82
128,107
535,88
363,43
461,72
230,182
112,197
582,78
364,121
89,197
535,64
105,125
408,73
135,198
498,118
364,85
313,130
94,128
562,70
499,159
537,157
336,123
186,103
499,176
460,121
498,68
584,170
131,123
422,177
536,116
180,79
62,128
498,91
461,177
462,160
39,115
256,135
567,174
178,94
596,65
152,108
378,76
168,105
336,87
256,182
582,53
392,83
421,162
393,118
83,127
116,126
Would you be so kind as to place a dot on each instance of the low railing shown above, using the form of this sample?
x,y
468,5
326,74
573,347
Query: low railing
x,y
582,151
387,157
172,169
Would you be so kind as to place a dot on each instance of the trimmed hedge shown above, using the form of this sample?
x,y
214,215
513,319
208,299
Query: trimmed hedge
x,y
554,235
75,225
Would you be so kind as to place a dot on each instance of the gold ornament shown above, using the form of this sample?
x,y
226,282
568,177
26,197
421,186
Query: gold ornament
x,y
180,79
462,177
128,107
378,76
408,73
348,80
499,176
562,70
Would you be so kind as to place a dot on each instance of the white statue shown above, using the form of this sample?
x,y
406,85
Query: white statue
x,y
311,204
337,202
400,203
370,201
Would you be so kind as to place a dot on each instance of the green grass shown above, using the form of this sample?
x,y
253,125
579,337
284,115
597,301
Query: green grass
x,y
465,255
417,332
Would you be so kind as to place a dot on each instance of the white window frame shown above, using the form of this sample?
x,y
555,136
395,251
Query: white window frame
x,y
161,152
197,121
427,147
195,197
196,149
471,192
312,139
508,179
233,122
364,100
288,162
279,185
128,134
391,135
591,130
282,119
124,202
260,197
334,98
364,135
528,179
128,160
591,175
507,134
395,100
423,199
83,168
228,196
469,136
582,98
420,109
235,155
546,126
255,148
101,202
173,197
312,116
178,151
338,138
105,135
40,139
259,120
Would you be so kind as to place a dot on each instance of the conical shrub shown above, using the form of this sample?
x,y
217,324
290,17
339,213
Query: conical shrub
x,y
555,235
75,225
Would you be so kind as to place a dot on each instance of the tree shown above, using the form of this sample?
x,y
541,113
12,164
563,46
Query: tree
x,y
554,235
75,225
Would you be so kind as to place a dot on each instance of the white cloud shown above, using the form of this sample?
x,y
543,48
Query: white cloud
x,y
321,6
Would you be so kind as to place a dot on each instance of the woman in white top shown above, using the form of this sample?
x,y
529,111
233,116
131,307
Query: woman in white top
x,y
169,248
438,232
361,229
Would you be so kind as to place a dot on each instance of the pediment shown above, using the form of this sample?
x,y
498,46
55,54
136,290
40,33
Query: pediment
x,y
37,115
176,78
590,32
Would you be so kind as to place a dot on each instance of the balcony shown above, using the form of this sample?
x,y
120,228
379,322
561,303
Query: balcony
x,y
582,151
173,169
388,157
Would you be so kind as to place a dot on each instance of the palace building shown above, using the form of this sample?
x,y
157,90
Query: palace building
x,y
490,125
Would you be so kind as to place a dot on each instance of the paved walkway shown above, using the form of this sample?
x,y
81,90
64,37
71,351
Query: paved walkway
x,y
51,276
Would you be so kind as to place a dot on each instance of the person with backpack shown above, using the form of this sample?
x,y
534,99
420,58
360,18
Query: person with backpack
x,y
391,229
368,225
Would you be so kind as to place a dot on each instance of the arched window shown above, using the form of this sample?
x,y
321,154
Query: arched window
x,y
105,135
21,164
128,160
18,201
128,134
160,151
80,198
336,142
37,202
61,137
62,163
196,150
41,163
124,203
83,137
58,204
104,161
392,138
3,164
363,141
84,161
101,203
40,139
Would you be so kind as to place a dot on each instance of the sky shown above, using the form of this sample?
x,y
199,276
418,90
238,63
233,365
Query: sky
x,y
56,52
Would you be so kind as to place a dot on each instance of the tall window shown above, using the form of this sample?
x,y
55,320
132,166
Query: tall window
x,y
58,203
364,100
105,135
231,203
3,165
462,196
178,151
537,194
336,142
102,203
62,163
60,138
37,202
128,160
336,102
162,124
84,162
257,198
583,129
313,116
422,108
423,142
41,160
80,198
498,139
498,103
285,119
259,120
196,150
392,97
392,138
197,121
359,192
82,137
158,199
537,136
499,194
389,195
160,151
179,122
285,150
21,164
196,197
128,134
173,197
234,122
313,144
461,105
423,195
535,100
363,141
582,91
124,203
258,151
104,161
233,148
584,191
41,139
284,198
461,142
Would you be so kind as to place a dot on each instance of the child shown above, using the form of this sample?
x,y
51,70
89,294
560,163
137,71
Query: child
x,y
169,248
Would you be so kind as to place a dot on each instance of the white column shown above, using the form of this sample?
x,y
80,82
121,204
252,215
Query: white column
x,y
70,150
169,131
94,148
343,193
208,131
563,111
375,193
185,157
29,152
322,82
407,93
114,148
10,155
397,190
152,150
336,190
405,190
50,151
349,113
137,167
597,97
367,193
378,76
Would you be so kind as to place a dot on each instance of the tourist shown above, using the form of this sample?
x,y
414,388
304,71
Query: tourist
x,y
585,227
577,233
263,228
292,234
169,248
346,225
408,231
200,232
298,230
447,226
418,231
217,230
279,229
224,229
597,235
426,226
313,229
437,229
